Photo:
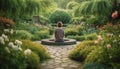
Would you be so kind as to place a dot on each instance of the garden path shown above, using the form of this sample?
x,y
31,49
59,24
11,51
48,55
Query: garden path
x,y
60,58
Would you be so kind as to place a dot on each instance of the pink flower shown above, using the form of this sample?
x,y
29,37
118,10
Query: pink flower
x,y
96,42
99,38
108,46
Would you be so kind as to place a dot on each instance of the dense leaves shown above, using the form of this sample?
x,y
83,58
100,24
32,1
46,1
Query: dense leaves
x,y
59,15
96,7
17,9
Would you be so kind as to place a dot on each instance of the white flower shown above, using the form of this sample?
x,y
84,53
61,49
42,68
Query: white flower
x,y
7,49
10,44
2,40
119,35
20,48
18,42
11,31
6,30
5,37
16,48
27,52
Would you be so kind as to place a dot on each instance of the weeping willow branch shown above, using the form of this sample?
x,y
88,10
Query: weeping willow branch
x,y
94,7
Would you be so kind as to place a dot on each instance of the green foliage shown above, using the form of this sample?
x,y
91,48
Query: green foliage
x,y
38,32
36,48
74,30
51,30
92,36
20,9
76,37
41,35
26,26
90,30
62,3
96,66
22,34
43,20
108,49
13,56
32,60
84,37
71,4
81,51
59,15
12,60
94,7
98,55
70,31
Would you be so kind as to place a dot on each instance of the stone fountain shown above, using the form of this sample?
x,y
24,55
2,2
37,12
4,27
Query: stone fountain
x,y
53,42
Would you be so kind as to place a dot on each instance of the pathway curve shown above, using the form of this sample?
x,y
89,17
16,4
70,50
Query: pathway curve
x,y
60,58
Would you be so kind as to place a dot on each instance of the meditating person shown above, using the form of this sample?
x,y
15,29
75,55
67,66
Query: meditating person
x,y
59,32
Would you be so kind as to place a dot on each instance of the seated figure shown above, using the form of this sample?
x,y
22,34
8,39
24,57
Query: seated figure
x,y
59,33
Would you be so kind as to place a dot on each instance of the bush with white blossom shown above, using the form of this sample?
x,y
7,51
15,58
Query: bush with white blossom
x,y
12,56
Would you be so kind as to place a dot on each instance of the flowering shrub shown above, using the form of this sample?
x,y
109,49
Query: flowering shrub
x,y
36,48
11,53
6,22
13,56
106,48
109,47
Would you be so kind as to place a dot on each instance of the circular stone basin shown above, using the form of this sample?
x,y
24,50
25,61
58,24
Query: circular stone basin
x,y
52,42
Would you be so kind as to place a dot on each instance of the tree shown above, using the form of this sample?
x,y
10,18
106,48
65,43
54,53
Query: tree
x,y
59,15
94,7
71,4
16,9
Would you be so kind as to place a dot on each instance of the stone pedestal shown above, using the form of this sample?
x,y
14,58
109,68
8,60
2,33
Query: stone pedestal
x,y
36,19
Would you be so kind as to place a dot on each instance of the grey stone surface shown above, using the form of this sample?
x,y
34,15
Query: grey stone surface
x,y
60,58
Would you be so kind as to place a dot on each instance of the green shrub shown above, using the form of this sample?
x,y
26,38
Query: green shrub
x,y
96,21
41,35
81,51
32,60
108,48
74,30
96,66
78,38
104,55
92,36
12,60
59,15
84,37
36,48
26,26
18,60
90,30
98,55
51,30
70,31
80,29
22,34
